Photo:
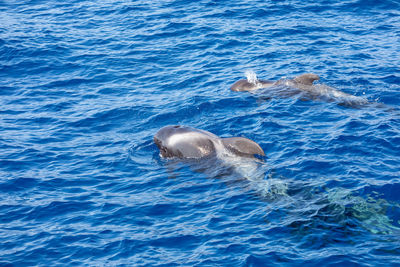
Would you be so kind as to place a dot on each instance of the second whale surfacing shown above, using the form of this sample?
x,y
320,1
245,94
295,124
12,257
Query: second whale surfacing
x,y
303,84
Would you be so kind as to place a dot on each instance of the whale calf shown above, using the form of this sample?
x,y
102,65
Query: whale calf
x,y
301,84
187,142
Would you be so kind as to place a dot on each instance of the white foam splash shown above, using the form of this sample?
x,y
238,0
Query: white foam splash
x,y
251,76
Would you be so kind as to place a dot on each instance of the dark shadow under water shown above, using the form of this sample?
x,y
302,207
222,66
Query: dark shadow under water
x,y
299,205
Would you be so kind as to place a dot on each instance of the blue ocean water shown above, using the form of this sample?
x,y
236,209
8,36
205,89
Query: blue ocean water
x,y
85,85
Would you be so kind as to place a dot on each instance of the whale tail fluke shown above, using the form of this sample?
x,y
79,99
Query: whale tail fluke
x,y
307,79
243,146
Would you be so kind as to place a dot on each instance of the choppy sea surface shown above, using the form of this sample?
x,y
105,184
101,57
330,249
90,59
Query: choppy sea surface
x,y
85,85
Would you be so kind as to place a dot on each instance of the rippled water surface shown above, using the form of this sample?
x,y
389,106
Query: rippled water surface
x,y
85,85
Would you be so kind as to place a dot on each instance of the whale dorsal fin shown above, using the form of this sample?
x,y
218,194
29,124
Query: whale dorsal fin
x,y
242,146
307,79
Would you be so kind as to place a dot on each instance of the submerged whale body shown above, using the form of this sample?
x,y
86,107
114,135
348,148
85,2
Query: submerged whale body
x,y
301,84
187,142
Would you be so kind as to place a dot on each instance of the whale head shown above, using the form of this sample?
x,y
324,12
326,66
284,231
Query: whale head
x,y
184,142
246,85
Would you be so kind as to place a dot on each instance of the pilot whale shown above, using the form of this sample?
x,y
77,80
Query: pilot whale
x,y
213,154
252,83
301,84
187,142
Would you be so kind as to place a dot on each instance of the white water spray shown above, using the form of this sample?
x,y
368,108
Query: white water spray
x,y
251,76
